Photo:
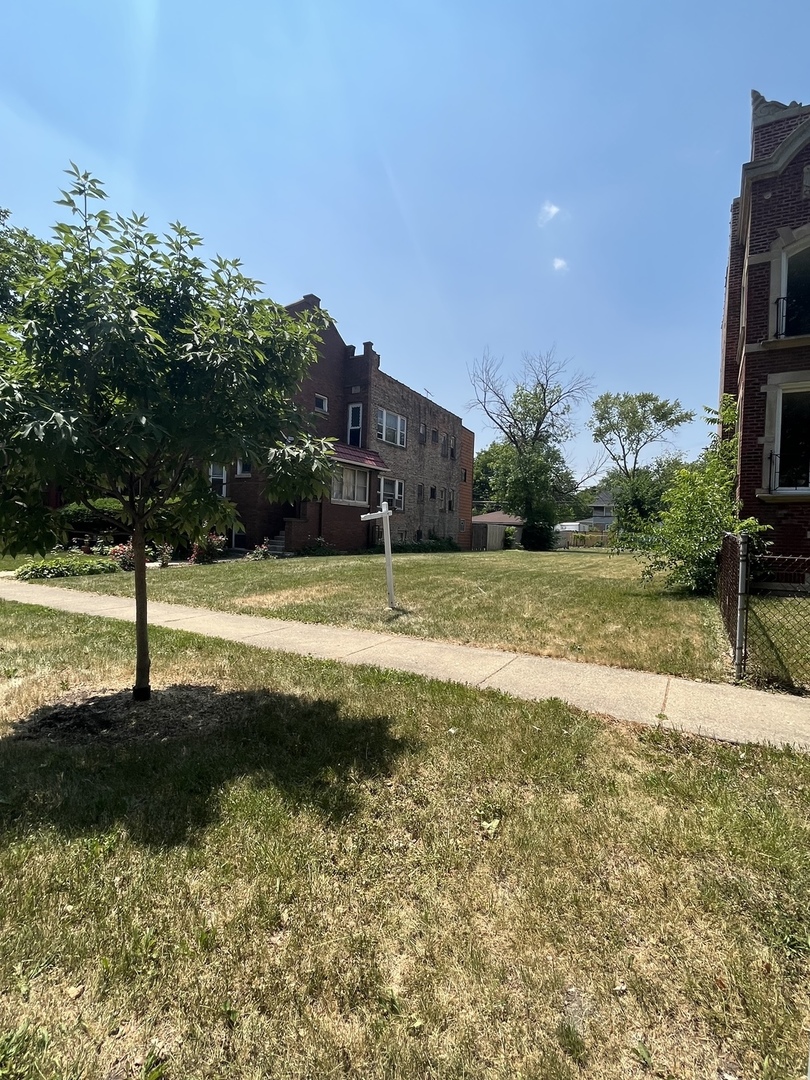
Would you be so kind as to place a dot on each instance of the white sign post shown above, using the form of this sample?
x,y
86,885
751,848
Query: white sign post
x,y
385,514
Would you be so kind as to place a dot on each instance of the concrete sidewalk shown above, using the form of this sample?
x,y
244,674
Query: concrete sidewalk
x,y
716,710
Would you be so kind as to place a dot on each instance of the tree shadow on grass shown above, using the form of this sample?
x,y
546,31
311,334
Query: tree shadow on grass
x,y
159,768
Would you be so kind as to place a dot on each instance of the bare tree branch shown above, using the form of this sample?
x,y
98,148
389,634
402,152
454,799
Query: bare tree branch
x,y
533,407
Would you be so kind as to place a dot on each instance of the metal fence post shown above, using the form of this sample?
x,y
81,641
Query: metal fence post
x,y
742,609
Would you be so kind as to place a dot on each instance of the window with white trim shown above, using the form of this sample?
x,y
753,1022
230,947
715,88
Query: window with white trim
x,y
218,475
786,437
451,500
354,434
792,448
442,497
350,486
391,427
789,308
321,403
423,433
444,450
452,446
392,492
243,467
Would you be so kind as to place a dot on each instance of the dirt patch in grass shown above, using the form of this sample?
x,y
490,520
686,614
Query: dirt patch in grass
x,y
293,596
88,715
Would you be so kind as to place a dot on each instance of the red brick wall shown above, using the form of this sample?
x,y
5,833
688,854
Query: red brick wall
x,y
790,521
777,201
733,300
345,377
465,489
260,517
419,463
337,523
765,138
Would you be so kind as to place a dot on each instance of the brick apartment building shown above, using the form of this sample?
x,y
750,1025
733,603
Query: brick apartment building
x,y
766,327
393,445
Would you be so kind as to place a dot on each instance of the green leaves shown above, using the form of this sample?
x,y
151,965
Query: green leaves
x,y
128,365
699,507
625,424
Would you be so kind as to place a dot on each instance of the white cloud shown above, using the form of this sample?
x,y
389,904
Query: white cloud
x,y
560,264
547,212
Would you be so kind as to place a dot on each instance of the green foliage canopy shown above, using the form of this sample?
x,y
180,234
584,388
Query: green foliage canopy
x,y
127,365
626,424
699,507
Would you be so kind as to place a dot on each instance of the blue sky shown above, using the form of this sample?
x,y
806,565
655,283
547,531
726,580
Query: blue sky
x,y
447,175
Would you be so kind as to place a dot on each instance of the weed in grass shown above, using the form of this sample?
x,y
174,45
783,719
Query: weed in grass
x,y
572,1042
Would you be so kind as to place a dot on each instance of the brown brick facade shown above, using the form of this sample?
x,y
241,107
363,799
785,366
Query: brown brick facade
x,y
760,354
426,468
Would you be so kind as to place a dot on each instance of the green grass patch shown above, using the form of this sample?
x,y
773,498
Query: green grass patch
x,y
11,562
579,605
778,643
280,867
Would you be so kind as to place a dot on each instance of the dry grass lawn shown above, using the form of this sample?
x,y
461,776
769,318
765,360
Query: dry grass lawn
x,y
283,868
577,605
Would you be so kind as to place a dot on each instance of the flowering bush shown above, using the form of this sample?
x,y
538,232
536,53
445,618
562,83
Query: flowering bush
x,y
163,554
209,549
262,551
122,554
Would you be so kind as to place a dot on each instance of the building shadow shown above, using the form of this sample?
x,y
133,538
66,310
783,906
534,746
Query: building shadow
x,y
159,768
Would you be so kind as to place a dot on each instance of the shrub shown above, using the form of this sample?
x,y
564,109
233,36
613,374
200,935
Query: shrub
x,y
262,551
320,547
208,549
123,556
539,536
699,507
509,537
417,547
78,518
58,566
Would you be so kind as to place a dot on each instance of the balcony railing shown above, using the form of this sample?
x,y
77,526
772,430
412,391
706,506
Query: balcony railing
x,y
798,479
792,316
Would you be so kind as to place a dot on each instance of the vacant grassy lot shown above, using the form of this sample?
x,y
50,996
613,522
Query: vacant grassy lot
x,y
282,868
576,605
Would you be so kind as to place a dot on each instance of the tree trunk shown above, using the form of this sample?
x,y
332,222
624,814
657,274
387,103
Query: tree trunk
x,y
141,691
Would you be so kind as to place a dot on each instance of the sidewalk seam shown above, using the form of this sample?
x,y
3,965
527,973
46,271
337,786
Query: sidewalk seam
x,y
497,671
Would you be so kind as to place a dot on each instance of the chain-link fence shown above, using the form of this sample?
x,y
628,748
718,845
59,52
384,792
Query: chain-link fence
x,y
765,604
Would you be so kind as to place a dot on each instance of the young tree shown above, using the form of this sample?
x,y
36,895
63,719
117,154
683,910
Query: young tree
x,y
626,424
128,366
699,507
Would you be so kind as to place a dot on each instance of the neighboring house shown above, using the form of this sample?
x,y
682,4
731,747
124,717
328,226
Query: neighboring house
x,y
766,327
489,530
394,445
602,516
